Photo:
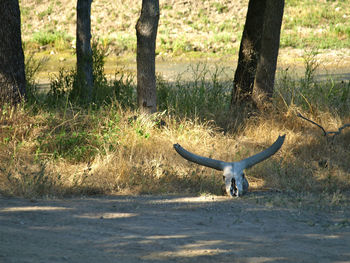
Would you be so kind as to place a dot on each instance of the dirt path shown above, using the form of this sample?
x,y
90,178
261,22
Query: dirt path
x,y
169,229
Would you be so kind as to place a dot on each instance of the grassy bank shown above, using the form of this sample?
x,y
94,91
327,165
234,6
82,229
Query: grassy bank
x,y
54,146
194,27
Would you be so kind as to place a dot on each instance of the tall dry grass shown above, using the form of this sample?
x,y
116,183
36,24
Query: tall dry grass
x,y
60,149
135,154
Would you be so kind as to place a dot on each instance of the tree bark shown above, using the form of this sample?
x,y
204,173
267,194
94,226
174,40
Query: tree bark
x,y
84,51
249,52
12,72
146,33
266,67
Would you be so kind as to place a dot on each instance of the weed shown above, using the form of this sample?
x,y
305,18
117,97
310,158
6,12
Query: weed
x,y
45,13
205,96
32,68
66,85
54,38
310,93
220,8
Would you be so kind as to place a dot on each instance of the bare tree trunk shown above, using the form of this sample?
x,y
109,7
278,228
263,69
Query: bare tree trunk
x,y
146,32
12,73
266,68
249,52
84,51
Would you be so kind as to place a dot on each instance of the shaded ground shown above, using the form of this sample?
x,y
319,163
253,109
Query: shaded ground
x,y
170,229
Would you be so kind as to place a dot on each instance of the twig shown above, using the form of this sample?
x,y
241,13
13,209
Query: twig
x,y
340,129
325,133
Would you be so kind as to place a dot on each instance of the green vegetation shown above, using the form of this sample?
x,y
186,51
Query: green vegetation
x,y
46,12
312,95
66,86
206,96
324,25
58,40
186,27
56,146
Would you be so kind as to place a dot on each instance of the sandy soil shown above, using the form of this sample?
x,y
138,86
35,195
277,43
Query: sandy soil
x,y
169,229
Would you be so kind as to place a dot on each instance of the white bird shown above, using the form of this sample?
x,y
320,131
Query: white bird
x,y
236,183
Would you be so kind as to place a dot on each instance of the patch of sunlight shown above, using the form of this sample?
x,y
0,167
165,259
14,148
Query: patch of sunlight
x,y
320,236
202,248
265,259
107,215
185,253
51,228
33,208
167,237
199,199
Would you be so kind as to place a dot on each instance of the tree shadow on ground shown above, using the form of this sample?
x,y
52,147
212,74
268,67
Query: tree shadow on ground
x,y
168,229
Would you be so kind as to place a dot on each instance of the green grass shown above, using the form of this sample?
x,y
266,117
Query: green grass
x,y
198,26
205,96
46,12
312,95
58,40
322,25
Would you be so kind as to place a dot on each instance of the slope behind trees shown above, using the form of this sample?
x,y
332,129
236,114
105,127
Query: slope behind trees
x,y
12,73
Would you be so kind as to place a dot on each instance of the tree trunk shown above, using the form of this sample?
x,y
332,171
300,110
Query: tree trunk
x,y
146,33
266,68
84,51
12,73
249,52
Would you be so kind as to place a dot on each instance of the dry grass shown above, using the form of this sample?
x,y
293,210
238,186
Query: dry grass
x,y
133,153
184,26
139,159
53,147
206,26
308,161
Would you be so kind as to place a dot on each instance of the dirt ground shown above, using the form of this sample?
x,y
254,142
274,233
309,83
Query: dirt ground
x,y
170,229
